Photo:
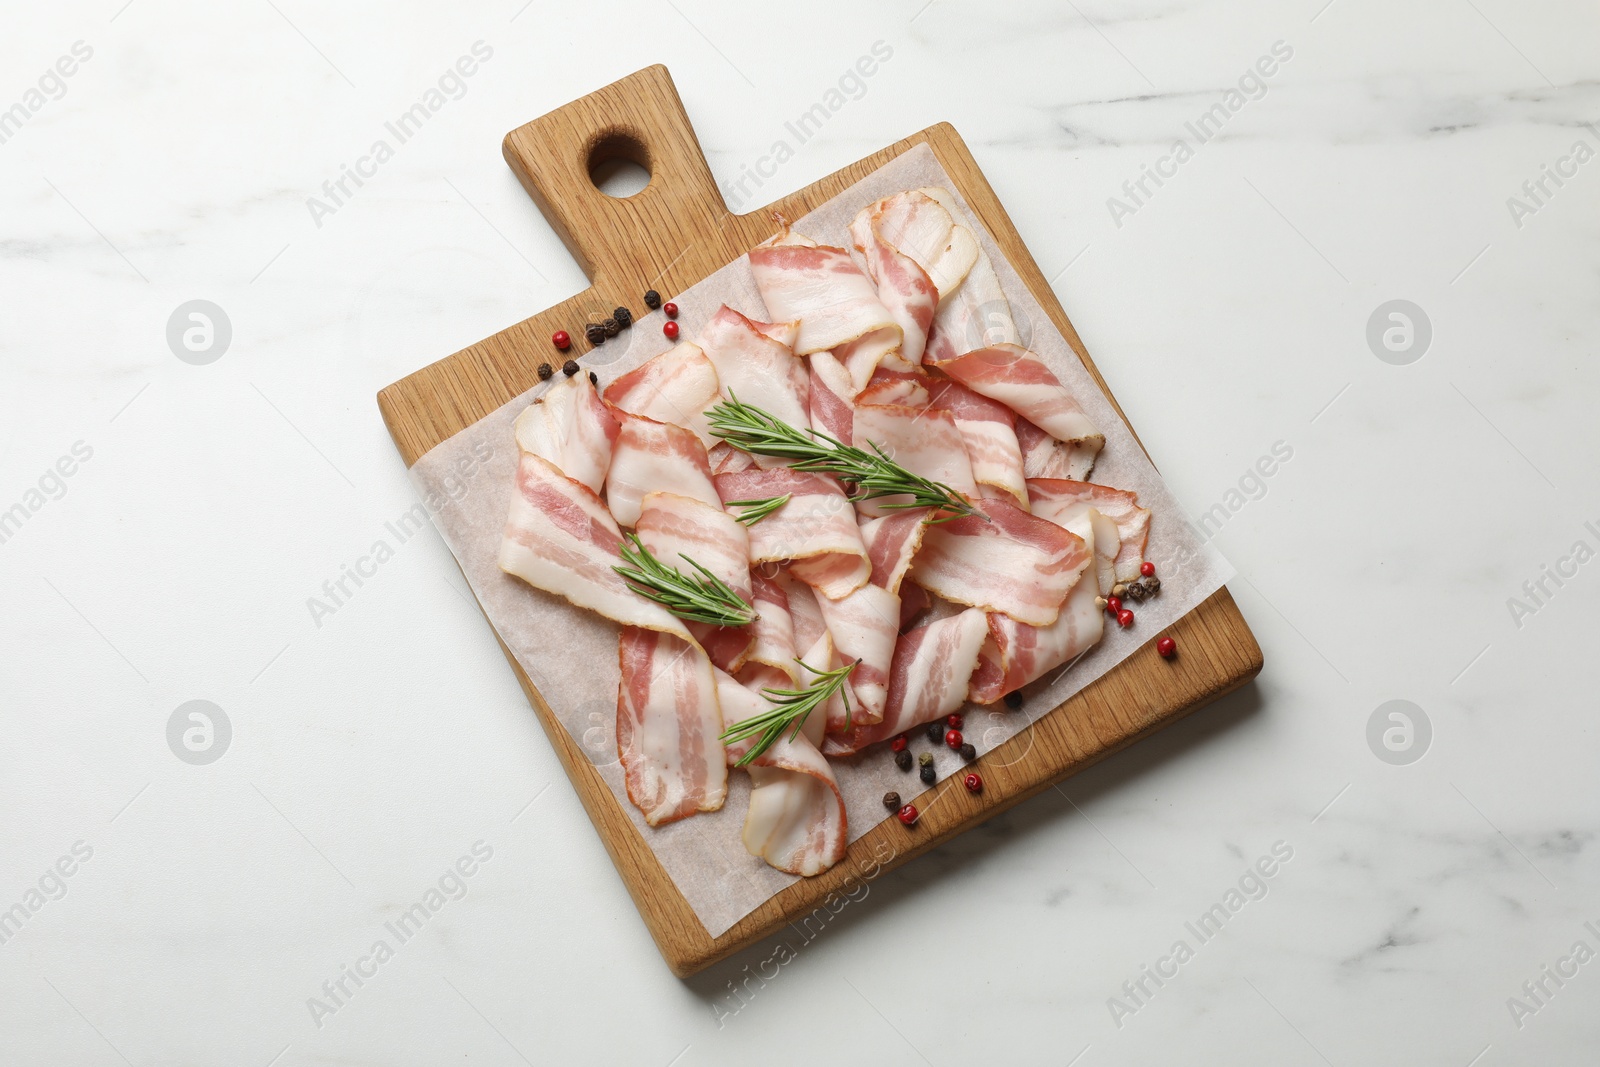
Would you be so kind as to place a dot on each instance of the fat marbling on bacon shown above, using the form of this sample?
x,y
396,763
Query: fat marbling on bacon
x,y
668,727
816,528
650,456
571,429
678,386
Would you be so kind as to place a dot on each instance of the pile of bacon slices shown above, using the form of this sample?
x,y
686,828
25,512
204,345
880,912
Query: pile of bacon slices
x,y
906,343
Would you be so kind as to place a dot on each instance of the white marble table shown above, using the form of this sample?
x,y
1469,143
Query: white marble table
x,y
373,746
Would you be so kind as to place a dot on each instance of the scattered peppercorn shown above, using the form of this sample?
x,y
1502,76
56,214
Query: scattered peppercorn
x,y
925,759
545,370
953,721
1100,602
899,743
1120,589
570,367
1136,592
902,759
623,316
1013,701
1114,603
935,732
973,783
1152,585
652,299
891,800
595,333
561,339
953,738
594,379
968,752
1124,618
907,814
611,326
1167,647
1147,569
929,775
671,309
670,329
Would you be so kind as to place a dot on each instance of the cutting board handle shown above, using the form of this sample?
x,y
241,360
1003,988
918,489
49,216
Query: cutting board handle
x,y
624,245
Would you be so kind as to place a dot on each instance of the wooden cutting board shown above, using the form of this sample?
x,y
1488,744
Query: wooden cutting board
x,y
667,237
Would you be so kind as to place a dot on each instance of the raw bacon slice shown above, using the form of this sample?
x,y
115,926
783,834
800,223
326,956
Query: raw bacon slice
x,y
974,316
896,387
822,289
865,625
675,528
796,821
914,600
725,458
928,679
892,543
804,611
653,456
832,396
916,224
1016,654
1022,381
925,441
772,634
816,527
677,387
571,428
560,538
988,429
668,722
1045,457
1060,501
756,368
1014,563
904,286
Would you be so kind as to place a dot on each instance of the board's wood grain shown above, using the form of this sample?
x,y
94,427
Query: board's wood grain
x,y
669,236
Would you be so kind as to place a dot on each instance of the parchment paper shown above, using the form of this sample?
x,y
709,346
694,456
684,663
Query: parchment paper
x,y
571,655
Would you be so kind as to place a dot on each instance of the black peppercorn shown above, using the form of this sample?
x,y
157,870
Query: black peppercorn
x,y
1152,585
570,367
545,370
595,333
652,299
969,753
624,317
594,379
891,800
611,327
902,759
926,759
929,775
1013,701
936,732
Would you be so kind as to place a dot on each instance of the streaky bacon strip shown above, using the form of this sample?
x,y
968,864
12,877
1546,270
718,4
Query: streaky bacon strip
x,y
821,288
904,287
892,542
1023,382
1014,562
677,528
796,821
923,440
907,388
928,679
1060,501
919,224
832,398
570,427
724,458
1045,457
988,429
561,539
756,368
914,600
816,528
677,387
865,625
772,634
652,456
668,722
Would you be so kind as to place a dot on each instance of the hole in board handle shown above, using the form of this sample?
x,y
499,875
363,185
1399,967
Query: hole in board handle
x,y
619,165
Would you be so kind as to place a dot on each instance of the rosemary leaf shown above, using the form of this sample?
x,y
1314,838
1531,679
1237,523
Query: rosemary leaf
x,y
705,598
790,708
756,510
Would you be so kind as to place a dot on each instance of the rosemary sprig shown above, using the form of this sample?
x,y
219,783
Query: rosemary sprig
x,y
699,599
756,510
790,707
873,474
